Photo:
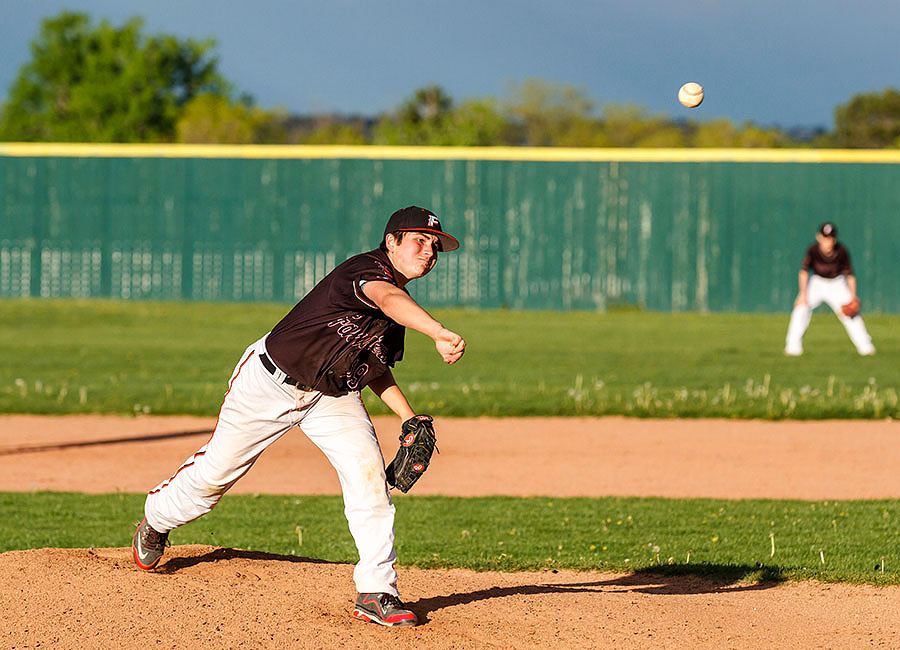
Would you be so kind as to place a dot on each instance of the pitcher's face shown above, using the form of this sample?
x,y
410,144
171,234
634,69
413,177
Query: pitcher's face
x,y
414,255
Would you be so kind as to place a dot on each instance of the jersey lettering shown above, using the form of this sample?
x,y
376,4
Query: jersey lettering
x,y
355,375
334,328
351,332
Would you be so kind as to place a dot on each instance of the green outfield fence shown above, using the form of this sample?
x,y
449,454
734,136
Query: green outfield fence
x,y
670,230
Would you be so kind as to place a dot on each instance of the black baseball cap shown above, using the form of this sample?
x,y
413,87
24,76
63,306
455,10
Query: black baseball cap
x,y
416,219
828,229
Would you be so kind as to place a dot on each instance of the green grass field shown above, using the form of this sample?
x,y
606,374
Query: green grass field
x,y
68,356
101,356
848,541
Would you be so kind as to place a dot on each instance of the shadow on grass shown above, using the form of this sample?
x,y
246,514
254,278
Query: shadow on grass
x,y
175,564
661,580
721,574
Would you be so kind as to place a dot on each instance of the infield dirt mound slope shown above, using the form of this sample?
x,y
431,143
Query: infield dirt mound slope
x,y
205,597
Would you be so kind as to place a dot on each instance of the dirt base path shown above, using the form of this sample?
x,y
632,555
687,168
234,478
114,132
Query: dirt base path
x,y
729,459
204,597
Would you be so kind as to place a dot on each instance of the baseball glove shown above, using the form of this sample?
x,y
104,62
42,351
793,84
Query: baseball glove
x,y
417,443
851,309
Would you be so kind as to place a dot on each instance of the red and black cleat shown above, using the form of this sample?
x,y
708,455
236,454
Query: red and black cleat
x,y
384,609
148,546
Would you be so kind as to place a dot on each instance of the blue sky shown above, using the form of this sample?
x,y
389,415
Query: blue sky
x,y
773,62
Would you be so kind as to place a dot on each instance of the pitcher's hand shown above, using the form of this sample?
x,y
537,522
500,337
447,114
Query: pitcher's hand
x,y
449,345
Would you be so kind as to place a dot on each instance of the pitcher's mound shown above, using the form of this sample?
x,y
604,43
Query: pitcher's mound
x,y
207,597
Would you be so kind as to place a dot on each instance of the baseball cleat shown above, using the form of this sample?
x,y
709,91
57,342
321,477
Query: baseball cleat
x,y
384,609
148,546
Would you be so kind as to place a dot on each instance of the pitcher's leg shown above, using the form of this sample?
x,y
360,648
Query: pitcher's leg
x,y
341,428
255,412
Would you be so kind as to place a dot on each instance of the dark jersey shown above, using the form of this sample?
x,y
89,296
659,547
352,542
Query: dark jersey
x,y
828,266
335,339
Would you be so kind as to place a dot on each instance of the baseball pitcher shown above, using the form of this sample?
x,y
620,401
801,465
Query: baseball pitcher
x,y
827,276
345,334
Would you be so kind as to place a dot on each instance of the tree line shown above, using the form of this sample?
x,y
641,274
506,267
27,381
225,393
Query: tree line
x,y
89,82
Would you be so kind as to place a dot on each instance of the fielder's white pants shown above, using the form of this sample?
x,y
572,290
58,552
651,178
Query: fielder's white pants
x,y
257,410
834,292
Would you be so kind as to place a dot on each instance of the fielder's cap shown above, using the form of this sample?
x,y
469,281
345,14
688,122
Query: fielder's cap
x,y
828,229
416,219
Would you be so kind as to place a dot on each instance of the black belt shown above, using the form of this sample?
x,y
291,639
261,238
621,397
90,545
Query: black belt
x,y
267,363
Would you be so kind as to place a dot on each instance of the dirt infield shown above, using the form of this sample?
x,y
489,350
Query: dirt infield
x,y
203,597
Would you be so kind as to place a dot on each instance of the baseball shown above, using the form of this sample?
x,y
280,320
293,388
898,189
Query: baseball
x,y
690,94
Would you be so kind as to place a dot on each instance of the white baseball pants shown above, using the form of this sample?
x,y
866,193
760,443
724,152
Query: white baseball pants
x,y
834,292
257,410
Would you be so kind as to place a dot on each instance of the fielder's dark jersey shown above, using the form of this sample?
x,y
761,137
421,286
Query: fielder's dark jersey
x,y
828,266
335,339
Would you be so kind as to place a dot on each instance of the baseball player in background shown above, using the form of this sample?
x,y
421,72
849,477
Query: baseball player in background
x,y
832,281
308,371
